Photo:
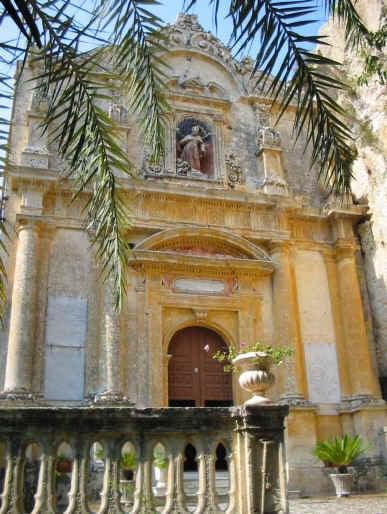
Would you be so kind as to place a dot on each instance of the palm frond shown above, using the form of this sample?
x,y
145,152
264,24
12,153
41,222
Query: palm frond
x,y
292,74
137,42
76,84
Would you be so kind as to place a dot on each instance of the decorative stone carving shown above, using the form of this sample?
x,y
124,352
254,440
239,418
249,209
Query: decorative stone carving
x,y
275,185
39,100
263,115
151,167
187,32
269,149
267,137
196,86
183,168
117,112
234,170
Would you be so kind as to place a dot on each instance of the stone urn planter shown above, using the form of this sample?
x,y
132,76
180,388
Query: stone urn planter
x,y
343,483
255,376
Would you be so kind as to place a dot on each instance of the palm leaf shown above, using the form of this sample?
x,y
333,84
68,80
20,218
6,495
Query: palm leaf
x,y
75,83
292,74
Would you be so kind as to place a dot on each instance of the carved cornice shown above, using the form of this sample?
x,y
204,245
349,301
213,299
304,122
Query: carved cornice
x,y
211,241
165,261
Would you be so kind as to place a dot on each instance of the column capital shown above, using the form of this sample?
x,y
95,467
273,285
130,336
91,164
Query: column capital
x,y
40,227
279,246
345,249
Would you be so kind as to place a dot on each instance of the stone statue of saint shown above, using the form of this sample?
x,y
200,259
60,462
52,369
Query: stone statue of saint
x,y
193,149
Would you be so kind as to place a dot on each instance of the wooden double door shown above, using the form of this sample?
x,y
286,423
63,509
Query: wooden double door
x,y
195,379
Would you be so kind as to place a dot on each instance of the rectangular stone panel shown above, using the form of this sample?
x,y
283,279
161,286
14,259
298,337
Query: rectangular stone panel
x,y
64,373
322,372
192,285
66,321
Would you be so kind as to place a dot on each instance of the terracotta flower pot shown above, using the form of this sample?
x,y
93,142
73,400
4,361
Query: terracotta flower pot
x,y
64,466
256,376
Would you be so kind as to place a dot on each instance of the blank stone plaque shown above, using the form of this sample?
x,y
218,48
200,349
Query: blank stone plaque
x,y
322,373
66,326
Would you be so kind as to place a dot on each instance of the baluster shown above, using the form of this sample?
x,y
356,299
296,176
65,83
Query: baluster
x,y
110,494
44,497
13,490
77,496
175,500
207,492
143,498
232,502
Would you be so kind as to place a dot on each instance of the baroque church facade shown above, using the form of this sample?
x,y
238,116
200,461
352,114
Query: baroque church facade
x,y
233,241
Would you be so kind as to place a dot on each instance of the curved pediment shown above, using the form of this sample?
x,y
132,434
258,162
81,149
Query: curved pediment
x,y
197,242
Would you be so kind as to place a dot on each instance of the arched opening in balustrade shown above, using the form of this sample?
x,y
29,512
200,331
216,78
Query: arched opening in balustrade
x,y
3,467
127,475
63,469
159,476
31,469
195,379
222,476
191,477
95,475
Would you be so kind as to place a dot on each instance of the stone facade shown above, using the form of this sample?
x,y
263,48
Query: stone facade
x,y
250,248
366,107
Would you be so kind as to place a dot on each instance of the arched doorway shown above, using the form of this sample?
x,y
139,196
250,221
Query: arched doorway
x,y
195,379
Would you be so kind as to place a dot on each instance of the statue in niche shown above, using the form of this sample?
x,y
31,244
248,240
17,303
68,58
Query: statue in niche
x,y
194,148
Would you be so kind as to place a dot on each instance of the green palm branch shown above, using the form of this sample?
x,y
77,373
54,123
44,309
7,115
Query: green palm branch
x,y
75,82
129,40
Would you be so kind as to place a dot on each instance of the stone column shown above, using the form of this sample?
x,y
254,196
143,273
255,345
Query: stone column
x,y
361,375
261,466
111,388
286,330
20,355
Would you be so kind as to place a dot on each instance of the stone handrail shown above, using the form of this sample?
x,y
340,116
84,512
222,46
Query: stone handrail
x,y
253,440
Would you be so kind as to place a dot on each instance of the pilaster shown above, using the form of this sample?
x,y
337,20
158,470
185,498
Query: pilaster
x,y
286,330
362,378
341,350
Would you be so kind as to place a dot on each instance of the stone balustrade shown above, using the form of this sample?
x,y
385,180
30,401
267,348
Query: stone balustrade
x,y
202,460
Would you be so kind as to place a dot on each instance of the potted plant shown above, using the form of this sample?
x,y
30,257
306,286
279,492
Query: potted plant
x,y
160,464
63,464
128,465
255,361
340,453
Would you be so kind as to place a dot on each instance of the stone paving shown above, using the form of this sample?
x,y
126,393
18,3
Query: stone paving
x,y
355,504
